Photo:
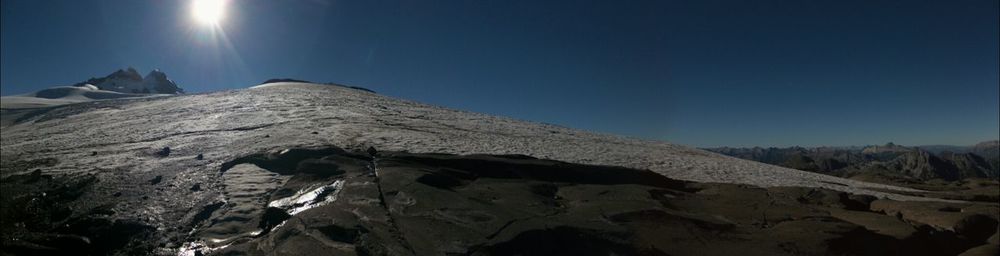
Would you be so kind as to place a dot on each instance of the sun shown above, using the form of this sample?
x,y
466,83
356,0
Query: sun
x,y
208,12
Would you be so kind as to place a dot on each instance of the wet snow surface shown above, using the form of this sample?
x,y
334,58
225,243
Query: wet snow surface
x,y
255,176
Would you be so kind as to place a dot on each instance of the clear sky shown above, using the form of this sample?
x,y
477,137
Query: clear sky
x,y
700,73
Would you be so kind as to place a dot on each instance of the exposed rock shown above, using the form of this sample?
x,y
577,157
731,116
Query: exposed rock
x,y
878,223
887,148
801,162
157,82
970,165
976,227
156,180
272,217
163,152
422,204
323,200
983,250
976,222
284,80
924,165
890,159
129,81
987,149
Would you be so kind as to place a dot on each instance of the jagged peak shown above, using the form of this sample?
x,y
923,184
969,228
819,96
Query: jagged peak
x,y
128,73
156,73
155,81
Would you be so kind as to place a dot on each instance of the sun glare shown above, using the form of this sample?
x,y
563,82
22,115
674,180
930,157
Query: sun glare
x,y
208,12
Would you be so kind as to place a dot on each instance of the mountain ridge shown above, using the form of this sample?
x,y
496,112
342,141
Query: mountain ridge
x,y
981,160
129,81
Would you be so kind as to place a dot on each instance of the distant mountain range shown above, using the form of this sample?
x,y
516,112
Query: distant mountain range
x,y
124,83
921,162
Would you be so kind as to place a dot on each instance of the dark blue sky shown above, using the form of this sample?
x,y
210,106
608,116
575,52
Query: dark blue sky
x,y
702,73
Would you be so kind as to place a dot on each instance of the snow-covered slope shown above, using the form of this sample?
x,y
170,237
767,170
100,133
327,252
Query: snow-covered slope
x,y
60,95
228,124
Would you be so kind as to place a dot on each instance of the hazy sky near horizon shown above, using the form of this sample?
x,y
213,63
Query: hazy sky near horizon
x,y
700,73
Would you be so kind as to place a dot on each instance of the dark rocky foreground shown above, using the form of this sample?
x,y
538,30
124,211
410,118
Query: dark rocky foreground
x,y
337,202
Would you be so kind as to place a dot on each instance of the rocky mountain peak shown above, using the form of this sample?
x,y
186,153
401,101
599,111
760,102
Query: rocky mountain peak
x,y
126,74
948,166
157,81
991,143
987,148
887,148
130,81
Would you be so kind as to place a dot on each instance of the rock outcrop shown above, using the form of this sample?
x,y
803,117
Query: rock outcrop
x,y
129,81
351,202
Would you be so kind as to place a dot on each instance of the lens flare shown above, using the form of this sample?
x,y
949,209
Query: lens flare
x,y
208,12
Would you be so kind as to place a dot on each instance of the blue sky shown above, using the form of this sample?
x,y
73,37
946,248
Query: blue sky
x,y
701,73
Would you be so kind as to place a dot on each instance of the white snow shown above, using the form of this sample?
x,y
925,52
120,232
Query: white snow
x,y
61,95
228,124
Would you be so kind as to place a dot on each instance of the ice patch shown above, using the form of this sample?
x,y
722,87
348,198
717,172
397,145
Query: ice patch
x,y
309,198
197,248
